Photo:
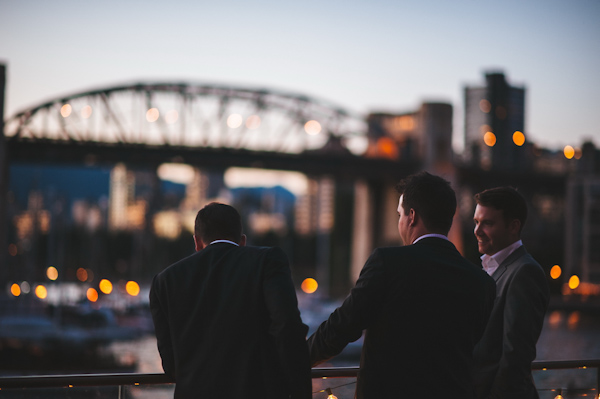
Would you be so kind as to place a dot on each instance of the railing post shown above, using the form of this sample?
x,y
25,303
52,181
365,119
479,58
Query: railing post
x,y
597,382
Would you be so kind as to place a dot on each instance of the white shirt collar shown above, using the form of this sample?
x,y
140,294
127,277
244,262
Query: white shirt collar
x,y
227,241
491,262
431,235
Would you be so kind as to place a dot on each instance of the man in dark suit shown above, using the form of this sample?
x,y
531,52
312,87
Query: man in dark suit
x,y
423,305
503,356
226,318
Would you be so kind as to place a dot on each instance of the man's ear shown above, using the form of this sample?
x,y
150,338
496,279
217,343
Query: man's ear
x,y
198,244
515,227
243,240
413,217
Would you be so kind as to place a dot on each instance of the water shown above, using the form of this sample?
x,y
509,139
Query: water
x,y
566,335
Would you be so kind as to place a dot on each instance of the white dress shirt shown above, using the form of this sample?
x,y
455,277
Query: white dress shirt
x,y
491,262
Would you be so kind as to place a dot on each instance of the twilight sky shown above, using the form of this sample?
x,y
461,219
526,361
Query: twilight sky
x,y
361,55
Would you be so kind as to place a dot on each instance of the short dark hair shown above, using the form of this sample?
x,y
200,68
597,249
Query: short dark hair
x,y
218,221
431,197
506,199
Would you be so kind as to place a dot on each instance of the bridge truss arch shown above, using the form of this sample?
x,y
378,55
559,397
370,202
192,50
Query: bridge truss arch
x,y
191,115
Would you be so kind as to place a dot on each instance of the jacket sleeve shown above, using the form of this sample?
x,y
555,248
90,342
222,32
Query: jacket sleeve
x,y
359,309
286,325
161,328
526,303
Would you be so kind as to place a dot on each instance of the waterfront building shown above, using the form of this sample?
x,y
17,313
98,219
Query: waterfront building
x,y
495,136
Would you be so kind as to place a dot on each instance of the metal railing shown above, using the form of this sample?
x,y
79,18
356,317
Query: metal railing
x,y
132,379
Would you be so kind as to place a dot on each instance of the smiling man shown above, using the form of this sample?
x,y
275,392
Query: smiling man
x,y
503,356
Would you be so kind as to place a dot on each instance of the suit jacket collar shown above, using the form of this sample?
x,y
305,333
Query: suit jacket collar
x,y
517,253
435,241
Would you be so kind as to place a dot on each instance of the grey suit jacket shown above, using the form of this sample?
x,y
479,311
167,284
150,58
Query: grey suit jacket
x,y
503,356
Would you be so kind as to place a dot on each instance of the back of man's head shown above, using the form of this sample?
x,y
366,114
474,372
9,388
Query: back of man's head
x,y
432,198
218,222
506,199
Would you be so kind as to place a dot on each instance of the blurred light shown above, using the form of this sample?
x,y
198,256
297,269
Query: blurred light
x,y
15,289
171,117
92,295
132,288
518,138
152,115
569,152
12,250
485,128
234,121
25,287
90,274
578,153
555,272
41,292
176,172
485,106
555,318
52,273
86,112
573,320
489,139
312,127
253,122
309,285
82,274
387,148
66,110
105,286
573,282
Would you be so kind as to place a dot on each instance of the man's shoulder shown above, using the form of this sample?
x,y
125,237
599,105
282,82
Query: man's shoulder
x,y
520,258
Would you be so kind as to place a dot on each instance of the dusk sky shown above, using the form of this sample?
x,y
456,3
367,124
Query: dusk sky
x,y
363,56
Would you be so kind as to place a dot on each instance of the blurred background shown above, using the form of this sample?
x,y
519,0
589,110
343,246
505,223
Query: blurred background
x,y
121,120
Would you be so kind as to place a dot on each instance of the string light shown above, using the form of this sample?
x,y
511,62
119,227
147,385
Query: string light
x,y
329,391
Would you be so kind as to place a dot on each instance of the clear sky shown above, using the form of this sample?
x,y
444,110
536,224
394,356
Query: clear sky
x,y
361,55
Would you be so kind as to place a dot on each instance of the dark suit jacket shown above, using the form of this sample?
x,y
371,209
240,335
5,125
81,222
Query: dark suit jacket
x,y
423,307
503,356
227,325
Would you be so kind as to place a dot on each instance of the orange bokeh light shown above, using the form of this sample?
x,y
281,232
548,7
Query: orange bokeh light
x,y
105,286
569,152
518,138
82,274
132,288
489,139
573,282
309,285
15,289
92,295
41,292
555,272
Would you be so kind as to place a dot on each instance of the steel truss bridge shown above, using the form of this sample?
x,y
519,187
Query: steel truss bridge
x,y
199,124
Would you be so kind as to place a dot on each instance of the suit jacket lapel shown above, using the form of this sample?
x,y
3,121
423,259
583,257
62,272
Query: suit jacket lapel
x,y
517,253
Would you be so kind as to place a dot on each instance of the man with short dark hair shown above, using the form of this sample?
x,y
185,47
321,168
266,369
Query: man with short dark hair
x,y
423,305
503,356
226,318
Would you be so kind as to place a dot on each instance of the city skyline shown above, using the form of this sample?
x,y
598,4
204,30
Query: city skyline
x,y
373,57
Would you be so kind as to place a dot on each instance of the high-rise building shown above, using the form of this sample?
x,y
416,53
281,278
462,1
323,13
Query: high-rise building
x,y
495,137
122,190
423,135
